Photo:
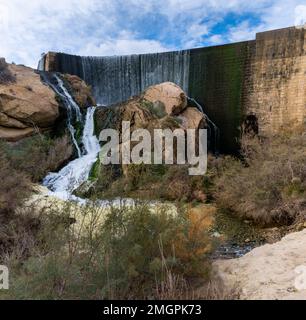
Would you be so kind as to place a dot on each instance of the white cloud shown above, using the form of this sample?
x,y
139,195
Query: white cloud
x,y
243,31
300,15
215,39
94,27
123,47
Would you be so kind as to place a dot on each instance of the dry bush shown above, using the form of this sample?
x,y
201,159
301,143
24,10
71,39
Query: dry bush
x,y
5,74
39,155
14,186
167,182
130,254
270,185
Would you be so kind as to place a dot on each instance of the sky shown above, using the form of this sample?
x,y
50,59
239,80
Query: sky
x,y
116,27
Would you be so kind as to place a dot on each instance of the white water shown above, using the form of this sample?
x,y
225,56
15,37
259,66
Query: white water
x,y
69,178
73,110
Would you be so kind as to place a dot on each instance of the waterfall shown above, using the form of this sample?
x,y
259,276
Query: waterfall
x,y
73,110
213,130
41,63
117,78
69,178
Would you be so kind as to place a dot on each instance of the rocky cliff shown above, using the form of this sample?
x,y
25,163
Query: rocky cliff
x,y
29,106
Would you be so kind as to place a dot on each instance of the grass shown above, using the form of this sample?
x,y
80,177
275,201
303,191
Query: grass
x,y
21,165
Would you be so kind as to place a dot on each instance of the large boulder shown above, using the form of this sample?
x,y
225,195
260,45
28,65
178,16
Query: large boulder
x,y
26,104
169,94
192,118
144,112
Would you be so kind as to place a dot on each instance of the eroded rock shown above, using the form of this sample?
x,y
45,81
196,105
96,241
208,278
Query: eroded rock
x,y
168,93
26,105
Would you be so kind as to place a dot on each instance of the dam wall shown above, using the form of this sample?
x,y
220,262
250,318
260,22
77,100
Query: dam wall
x,y
262,78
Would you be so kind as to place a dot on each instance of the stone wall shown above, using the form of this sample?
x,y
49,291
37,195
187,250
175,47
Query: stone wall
x,y
275,86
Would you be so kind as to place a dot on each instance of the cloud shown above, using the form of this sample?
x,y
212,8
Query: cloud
x,y
125,44
215,39
113,27
243,31
300,15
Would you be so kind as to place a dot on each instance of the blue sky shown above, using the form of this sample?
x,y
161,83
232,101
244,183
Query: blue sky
x,y
114,27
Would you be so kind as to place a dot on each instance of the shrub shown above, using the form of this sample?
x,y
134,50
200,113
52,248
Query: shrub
x,y
133,253
157,109
14,185
5,74
38,155
269,186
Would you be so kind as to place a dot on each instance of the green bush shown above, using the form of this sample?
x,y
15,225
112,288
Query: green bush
x,y
133,253
38,155
157,109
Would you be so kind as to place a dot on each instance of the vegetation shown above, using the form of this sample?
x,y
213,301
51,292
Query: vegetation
x,y
64,251
269,185
36,156
157,109
14,186
6,75
20,165
123,253
266,184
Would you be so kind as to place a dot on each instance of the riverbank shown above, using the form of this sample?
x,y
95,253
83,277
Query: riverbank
x,y
268,272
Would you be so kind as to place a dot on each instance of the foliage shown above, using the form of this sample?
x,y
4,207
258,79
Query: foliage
x,y
269,186
36,156
123,253
157,109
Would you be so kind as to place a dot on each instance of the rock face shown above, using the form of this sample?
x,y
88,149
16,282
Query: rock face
x,y
192,118
81,91
269,272
26,105
168,93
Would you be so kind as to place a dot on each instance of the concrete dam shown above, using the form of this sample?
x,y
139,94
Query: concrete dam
x,y
263,79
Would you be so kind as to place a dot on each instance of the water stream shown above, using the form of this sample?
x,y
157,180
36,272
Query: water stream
x,y
74,114
213,130
69,178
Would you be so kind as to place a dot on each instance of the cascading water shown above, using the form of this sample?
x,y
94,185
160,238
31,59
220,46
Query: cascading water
x,y
69,178
73,110
116,79
214,132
